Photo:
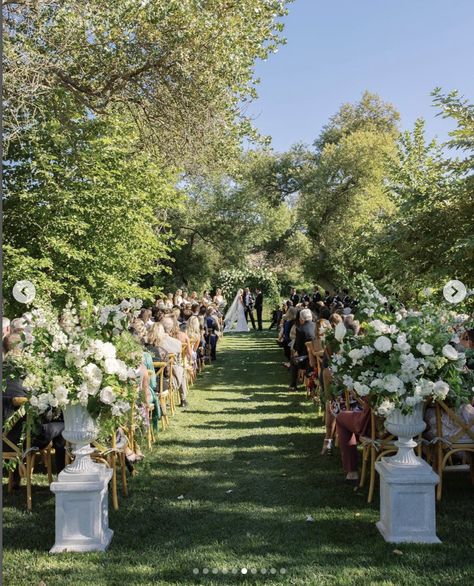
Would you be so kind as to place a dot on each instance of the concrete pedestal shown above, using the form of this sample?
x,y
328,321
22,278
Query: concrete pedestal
x,y
407,502
82,514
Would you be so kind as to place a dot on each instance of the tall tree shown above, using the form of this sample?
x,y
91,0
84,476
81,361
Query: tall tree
x,y
182,68
346,189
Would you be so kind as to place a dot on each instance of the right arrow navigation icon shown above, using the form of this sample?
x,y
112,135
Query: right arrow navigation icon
x,y
454,291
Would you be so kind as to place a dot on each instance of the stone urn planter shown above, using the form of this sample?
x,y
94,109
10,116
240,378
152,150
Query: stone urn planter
x,y
407,484
82,519
405,427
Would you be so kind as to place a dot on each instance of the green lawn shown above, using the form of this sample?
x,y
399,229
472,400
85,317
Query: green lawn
x,y
244,433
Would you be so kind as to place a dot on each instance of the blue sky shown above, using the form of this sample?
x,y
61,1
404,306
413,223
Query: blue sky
x,y
400,49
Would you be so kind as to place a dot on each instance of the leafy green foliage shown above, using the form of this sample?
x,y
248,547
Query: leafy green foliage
x,y
182,68
84,207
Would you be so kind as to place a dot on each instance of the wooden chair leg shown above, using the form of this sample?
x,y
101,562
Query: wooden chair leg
x,y
363,474
29,472
439,470
123,471
49,467
113,465
373,457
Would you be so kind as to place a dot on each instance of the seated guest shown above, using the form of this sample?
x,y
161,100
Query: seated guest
x,y
172,345
183,337
146,315
148,380
305,332
206,298
193,329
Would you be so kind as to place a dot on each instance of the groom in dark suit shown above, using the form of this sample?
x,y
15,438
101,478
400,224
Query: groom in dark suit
x,y
259,307
248,306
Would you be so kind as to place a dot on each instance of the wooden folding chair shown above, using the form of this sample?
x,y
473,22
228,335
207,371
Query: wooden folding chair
x,y
25,459
163,394
166,396
449,443
109,456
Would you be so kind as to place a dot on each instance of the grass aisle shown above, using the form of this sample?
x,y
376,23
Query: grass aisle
x,y
245,458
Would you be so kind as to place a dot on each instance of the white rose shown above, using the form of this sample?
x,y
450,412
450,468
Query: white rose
x,y
440,390
425,349
340,332
107,395
450,353
383,344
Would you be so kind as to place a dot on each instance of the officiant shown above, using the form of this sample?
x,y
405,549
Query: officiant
x,y
249,304
259,307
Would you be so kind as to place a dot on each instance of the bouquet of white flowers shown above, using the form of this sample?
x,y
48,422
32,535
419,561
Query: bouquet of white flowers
x,y
63,361
402,358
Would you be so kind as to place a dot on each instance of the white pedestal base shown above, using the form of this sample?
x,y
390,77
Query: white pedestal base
x,y
407,502
82,510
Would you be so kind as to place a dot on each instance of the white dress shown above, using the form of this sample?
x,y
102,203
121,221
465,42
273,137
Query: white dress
x,y
235,320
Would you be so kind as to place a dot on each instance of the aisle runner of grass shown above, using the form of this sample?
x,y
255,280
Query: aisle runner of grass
x,y
245,458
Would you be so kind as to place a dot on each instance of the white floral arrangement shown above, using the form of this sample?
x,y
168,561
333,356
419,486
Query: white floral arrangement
x,y
401,358
64,361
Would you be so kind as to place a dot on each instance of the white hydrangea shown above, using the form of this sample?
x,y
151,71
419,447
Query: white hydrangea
x,y
385,408
440,390
348,382
379,326
393,384
61,395
413,400
383,344
361,389
450,353
402,345
32,382
93,376
119,408
425,349
424,387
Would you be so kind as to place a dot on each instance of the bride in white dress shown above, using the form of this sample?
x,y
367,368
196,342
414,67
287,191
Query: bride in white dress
x,y
234,320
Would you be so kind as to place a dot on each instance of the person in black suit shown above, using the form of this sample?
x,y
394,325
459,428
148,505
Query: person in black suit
x,y
259,307
294,297
316,295
249,302
305,332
